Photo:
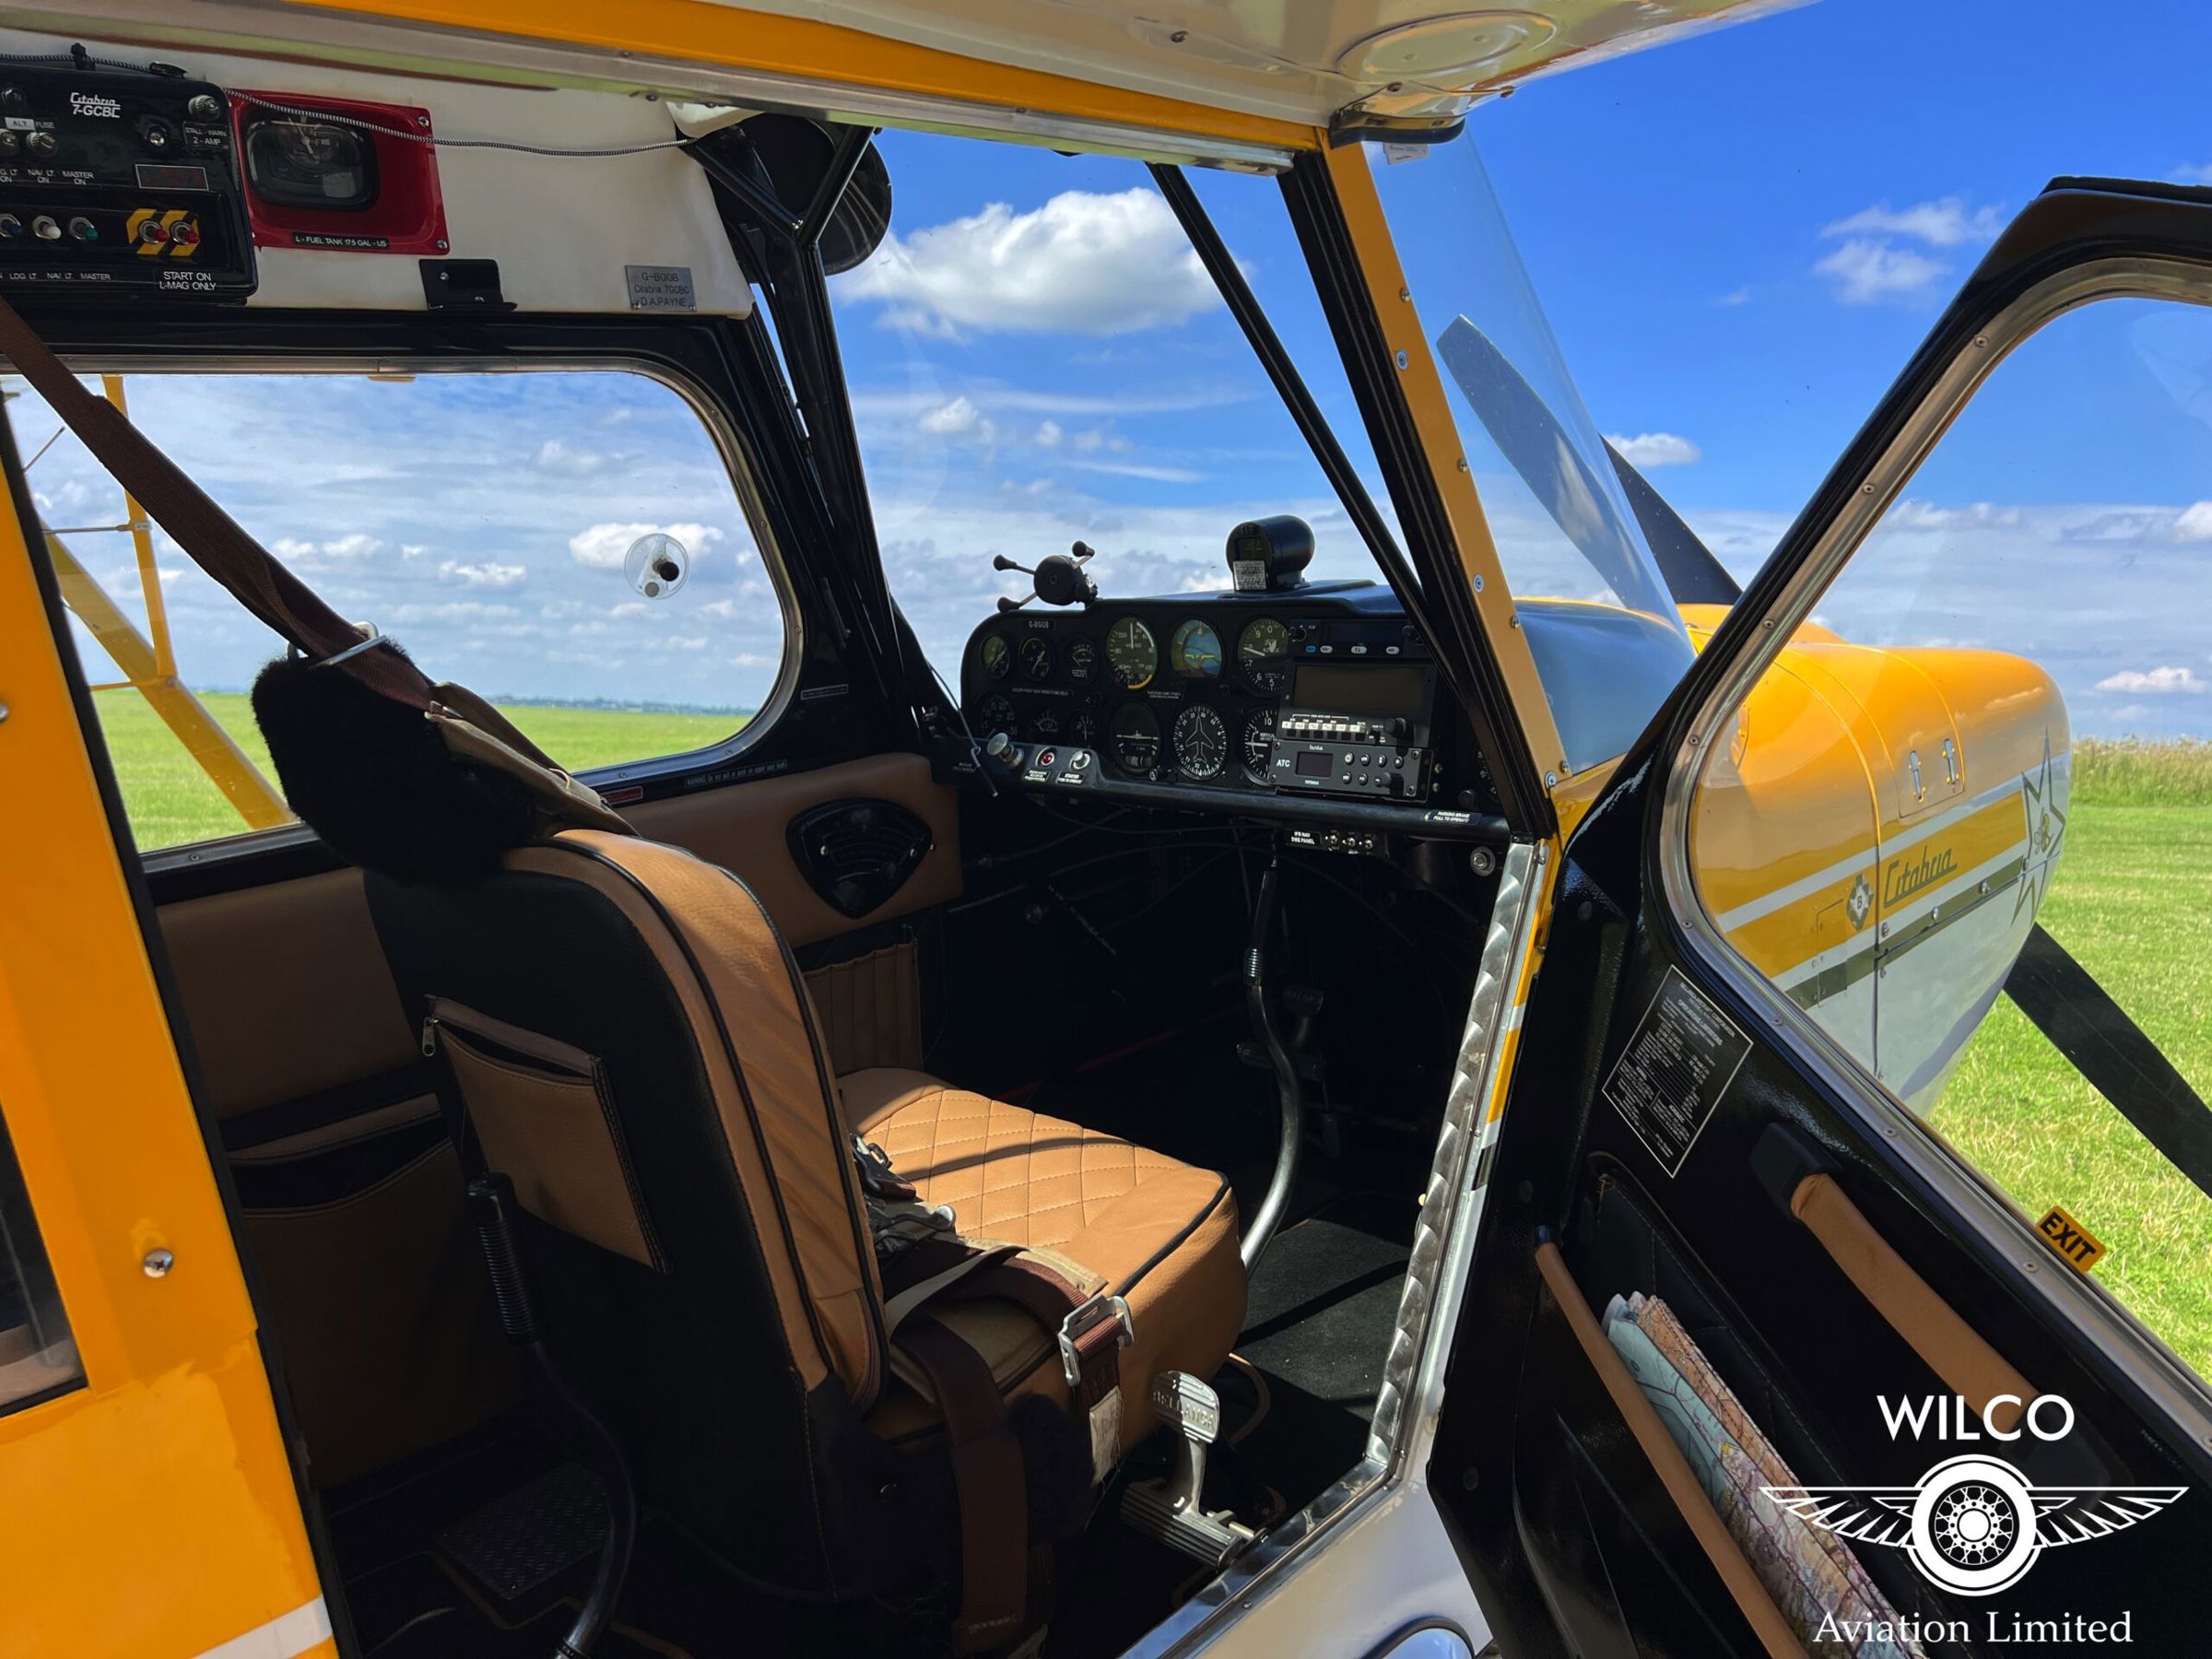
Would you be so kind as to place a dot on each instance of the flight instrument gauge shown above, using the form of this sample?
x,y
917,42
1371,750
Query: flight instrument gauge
x,y
1036,657
1263,653
1257,739
1131,654
998,656
1084,727
1200,742
994,714
1135,731
1082,660
1194,650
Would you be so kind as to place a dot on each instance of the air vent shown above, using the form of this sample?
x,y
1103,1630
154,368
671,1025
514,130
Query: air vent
x,y
857,853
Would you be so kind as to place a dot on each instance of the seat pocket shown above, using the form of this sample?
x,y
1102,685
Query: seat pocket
x,y
541,1112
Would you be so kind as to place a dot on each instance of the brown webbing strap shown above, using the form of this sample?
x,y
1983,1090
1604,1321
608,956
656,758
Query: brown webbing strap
x,y
1049,1299
988,1477
219,546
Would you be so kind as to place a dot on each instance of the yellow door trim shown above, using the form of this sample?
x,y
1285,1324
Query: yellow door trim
x,y
1422,385
152,1511
805,49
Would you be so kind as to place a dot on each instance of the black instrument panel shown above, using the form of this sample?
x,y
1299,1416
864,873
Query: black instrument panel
x,y
1327,690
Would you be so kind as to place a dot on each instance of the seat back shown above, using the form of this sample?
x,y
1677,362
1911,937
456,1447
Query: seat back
x,y
627,1036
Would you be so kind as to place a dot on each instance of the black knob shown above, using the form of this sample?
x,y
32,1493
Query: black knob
x,y
205,106
11,98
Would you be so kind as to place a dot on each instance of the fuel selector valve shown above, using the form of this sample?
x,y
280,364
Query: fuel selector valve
x,y
1059,578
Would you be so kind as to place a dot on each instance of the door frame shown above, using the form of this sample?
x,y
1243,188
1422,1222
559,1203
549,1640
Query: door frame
x,y
2082,242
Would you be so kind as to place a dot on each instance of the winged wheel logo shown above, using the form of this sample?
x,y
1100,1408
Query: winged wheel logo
x,y
1974,1524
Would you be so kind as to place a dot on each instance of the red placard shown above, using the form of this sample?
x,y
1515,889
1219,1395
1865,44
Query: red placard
x,y
408,215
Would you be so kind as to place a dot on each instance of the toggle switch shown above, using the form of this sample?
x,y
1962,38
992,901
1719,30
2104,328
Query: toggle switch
x,y
83,230
45,229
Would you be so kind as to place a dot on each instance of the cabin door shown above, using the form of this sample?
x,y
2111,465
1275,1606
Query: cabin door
x,y
1781,1341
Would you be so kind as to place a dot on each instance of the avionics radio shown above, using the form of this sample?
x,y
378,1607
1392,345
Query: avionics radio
x,y
1362,695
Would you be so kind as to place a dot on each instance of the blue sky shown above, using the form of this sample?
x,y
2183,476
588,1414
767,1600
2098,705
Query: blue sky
x,y
1738,241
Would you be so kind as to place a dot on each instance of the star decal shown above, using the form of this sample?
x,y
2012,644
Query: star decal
x,y
2046,835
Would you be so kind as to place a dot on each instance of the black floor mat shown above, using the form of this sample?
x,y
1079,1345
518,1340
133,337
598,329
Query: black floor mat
x,y
1324,1299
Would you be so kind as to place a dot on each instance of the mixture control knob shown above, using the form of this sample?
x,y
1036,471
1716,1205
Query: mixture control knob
x,y
205,106
42,144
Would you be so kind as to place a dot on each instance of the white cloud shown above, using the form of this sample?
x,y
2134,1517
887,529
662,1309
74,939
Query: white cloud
x,y
2192,175
485,573
1739,296
2157,680
413,550
1134,469
1867,271
568,461
1648,450
2194,524
1084,263
1945,223
602,546
355,545
1048,434
954,420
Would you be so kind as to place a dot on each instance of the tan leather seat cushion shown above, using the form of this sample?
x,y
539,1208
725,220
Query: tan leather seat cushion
x,y
1162,1233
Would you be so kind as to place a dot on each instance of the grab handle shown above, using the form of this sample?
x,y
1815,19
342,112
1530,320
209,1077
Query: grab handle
x,y
1673,1469
1954,1350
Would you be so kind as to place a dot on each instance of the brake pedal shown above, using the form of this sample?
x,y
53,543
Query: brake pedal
x,y
1170,1509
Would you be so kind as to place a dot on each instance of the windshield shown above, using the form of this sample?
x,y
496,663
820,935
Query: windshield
x,y
1565,537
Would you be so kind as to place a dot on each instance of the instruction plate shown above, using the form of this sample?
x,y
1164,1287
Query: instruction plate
x,y
1680,1061
661,287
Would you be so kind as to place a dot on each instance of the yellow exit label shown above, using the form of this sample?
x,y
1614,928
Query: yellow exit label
x,y
2071,1239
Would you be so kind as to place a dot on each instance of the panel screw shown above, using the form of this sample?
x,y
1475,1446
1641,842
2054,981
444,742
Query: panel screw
x,y
3,706
1479,584
1405,293
1550,779
1403,360
422,121
1180,36
1462,464
157,1263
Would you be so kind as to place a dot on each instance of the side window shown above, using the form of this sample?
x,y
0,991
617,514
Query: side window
x,y
568,544
37,1356
1996,719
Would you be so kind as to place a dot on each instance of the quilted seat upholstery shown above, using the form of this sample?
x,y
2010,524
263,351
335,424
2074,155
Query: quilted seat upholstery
x,y
1162,1233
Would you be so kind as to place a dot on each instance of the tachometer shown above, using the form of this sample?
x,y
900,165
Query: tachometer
x,y
1036,655
1200,742
1257,738
1194,650
998,656
1262,652
1131,654
1135,731
1082,659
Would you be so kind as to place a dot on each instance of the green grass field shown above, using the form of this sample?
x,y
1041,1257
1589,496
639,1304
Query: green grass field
x,y
2133,887
170,800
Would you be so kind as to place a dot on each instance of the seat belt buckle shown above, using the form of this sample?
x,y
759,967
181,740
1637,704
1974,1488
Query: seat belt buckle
x,y
1092,1314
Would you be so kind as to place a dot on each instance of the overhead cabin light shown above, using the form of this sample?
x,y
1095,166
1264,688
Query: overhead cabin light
x,y
1447,52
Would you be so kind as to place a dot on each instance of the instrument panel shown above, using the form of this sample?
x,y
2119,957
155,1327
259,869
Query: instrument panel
x,y
1326,690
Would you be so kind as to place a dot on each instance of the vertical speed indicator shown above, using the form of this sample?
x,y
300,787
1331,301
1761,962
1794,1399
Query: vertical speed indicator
x,y
1131,654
